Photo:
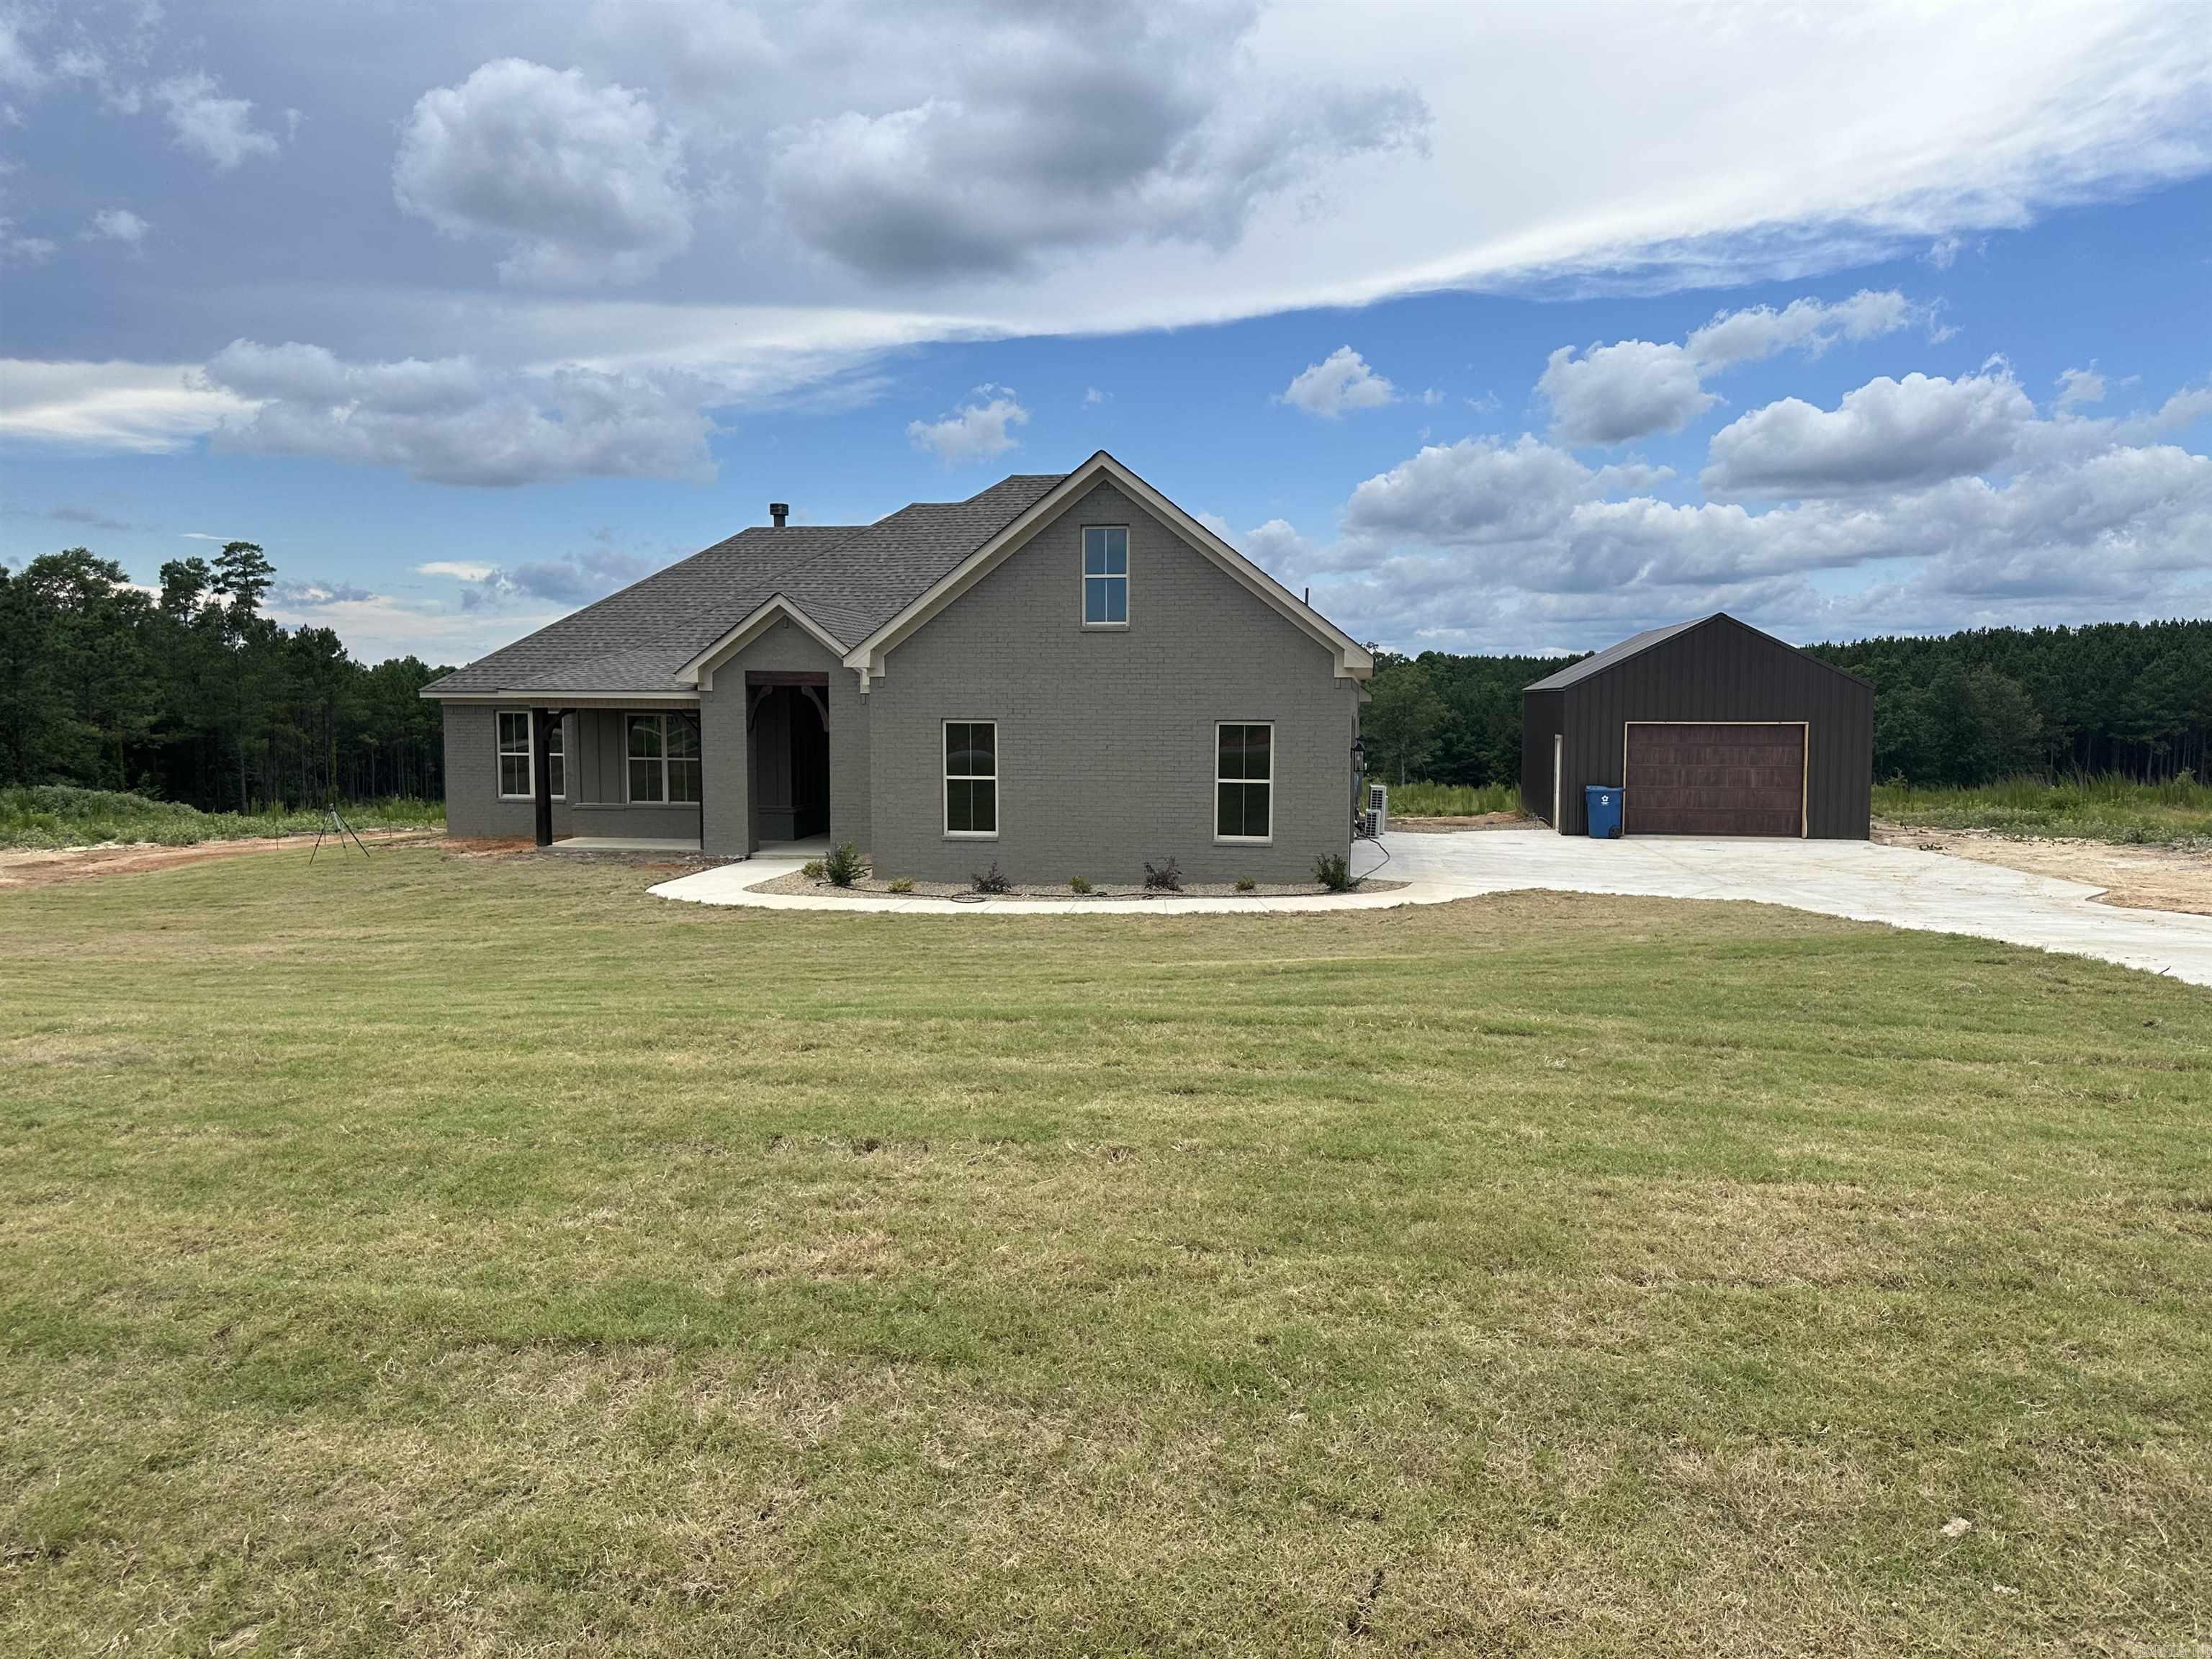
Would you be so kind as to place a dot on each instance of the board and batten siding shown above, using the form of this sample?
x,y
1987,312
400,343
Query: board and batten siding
x,y
1106,751
600,786
1720,670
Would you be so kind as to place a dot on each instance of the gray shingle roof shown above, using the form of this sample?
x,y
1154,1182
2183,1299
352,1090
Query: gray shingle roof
x,y
850,579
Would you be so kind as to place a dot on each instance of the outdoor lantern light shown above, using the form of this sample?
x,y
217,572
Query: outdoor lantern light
x,y
1360,755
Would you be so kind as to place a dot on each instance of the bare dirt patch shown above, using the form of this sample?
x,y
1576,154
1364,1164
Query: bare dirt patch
x,y
2137,877
42,866
487,847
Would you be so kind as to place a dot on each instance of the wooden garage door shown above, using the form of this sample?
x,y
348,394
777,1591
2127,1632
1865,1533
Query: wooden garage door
x,y
1685,780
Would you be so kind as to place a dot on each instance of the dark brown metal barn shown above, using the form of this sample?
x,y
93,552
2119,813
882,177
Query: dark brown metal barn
x,y
1710,728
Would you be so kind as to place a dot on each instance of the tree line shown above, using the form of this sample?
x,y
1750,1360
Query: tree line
x,y
193,695
2133,698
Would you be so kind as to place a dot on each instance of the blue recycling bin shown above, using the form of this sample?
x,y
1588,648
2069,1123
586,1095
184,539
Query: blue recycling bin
x,y
1602,805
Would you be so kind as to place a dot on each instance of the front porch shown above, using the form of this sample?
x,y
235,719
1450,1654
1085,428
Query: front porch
x,y
741,768
623,844
813,847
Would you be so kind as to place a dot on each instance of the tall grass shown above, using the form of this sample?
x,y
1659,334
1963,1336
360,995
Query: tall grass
x,y
61,814
1452,800
2102,807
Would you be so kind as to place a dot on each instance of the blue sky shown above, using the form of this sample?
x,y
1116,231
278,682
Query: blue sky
x,y
1501,328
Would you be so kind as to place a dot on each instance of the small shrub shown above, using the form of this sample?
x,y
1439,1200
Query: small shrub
x,y
991,881
904,884
1078,884
1333,871
1164,878
1246,884
845,865
812,870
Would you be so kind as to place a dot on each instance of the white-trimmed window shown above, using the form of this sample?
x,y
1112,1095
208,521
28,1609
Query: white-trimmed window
x,y
663,751
1243,781
971,778
1105,575
515,756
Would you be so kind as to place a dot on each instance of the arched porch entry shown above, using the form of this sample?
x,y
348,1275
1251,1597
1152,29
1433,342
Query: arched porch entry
x,y
787,726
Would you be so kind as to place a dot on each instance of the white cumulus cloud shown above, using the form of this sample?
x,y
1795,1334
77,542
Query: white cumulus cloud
x,y
1000,136
1612,393
1608,394
975,431
1960,505
1339,383
1478,490
582,182
1886,434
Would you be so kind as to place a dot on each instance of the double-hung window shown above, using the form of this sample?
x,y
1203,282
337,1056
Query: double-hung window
x,y
515,756
1243,781
971,778
664,758
1105,575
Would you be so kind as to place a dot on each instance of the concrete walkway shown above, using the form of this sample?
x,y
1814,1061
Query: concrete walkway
x,y
1855,880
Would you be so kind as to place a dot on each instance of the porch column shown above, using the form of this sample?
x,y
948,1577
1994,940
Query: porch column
x,y
541,769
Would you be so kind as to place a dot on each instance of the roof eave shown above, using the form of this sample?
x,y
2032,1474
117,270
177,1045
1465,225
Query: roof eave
x,y
515,696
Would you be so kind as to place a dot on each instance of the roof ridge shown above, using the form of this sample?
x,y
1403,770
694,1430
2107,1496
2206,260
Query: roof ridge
x,y
803,564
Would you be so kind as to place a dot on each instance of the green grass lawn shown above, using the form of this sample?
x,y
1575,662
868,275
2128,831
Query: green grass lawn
x,y
441,1256
2107,808
61,814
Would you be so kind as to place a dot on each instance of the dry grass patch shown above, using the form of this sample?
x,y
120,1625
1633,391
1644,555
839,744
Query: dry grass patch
x,y
464,1255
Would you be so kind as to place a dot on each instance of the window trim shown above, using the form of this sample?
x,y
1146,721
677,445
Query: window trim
x,y
947,776
1083,579
1213,795
501,751
660,719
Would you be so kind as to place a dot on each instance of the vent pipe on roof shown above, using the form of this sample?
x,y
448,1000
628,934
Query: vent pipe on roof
x,y
778,511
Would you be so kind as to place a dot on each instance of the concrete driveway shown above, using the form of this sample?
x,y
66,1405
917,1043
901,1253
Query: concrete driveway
x,y
1853,878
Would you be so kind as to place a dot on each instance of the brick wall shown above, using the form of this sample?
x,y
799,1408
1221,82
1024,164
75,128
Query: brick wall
x,y
1106,738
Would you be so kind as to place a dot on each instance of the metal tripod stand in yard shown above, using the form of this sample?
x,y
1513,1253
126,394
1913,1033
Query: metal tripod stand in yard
x,y
334,823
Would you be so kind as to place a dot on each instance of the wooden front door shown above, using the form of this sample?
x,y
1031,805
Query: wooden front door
x,y
1737,779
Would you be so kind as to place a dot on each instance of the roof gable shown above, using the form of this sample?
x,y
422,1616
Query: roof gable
x,y
1637,644
1353,660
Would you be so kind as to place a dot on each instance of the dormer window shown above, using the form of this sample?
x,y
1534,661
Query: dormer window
x,y
1105,575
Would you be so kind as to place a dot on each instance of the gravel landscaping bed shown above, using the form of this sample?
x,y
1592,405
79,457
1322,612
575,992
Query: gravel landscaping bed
x,y
874,887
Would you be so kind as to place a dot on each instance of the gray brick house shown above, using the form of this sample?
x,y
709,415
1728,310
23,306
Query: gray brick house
x,y
1066,675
